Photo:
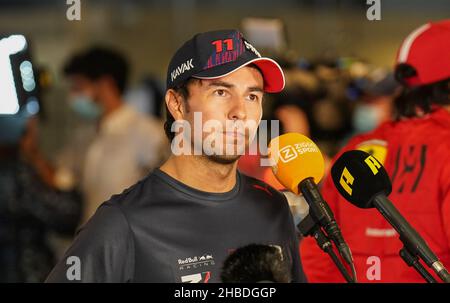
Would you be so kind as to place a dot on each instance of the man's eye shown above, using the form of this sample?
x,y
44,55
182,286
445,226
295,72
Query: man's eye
x,y
253,97
220,93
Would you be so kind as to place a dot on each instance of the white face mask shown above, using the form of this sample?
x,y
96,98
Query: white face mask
x,y
85,107
366,118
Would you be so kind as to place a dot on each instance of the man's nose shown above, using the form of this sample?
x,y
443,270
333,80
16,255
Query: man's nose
x,y
237,110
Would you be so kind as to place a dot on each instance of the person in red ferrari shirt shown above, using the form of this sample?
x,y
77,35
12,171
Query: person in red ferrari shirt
x,y
415,150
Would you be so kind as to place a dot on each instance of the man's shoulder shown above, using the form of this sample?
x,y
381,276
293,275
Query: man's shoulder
x,y
140,193
108,223
255,185
120,208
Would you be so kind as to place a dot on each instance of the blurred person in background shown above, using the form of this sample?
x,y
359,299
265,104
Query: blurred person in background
x,y
126,144
415,150
376,105
330,114
31,205
147,97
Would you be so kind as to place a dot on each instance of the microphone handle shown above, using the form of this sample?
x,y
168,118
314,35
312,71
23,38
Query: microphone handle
x,y
322,213
325,244
409,236
407,233
308,227
317,206
412,260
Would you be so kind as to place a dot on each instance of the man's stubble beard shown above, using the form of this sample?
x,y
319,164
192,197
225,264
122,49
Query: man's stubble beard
x,y
223,159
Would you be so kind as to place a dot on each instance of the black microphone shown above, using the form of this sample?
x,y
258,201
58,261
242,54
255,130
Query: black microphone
x,y
307,225
362,180
322,213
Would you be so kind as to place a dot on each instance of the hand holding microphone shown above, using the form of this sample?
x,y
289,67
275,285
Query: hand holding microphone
x,y
299,166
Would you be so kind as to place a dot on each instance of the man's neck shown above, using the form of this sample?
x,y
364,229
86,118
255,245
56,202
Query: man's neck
x,y
112,105
201,173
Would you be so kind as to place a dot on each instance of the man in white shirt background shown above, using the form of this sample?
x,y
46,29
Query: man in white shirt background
x,y
125,144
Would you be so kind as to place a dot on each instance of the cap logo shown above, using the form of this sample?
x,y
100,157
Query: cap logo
x,y
181,69
251,48
227,50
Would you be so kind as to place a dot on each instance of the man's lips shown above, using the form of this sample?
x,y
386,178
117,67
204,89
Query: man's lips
x,y
236,135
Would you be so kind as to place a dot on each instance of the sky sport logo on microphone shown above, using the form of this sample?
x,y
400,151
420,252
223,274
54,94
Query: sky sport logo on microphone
x,y
289,153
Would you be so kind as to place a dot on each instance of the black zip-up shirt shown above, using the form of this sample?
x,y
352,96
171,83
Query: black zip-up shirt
x,y
161,230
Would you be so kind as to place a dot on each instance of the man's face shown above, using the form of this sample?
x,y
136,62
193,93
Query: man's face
x,y
231,109
82,86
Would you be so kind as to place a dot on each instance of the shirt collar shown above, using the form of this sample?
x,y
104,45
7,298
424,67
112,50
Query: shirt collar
x,y
198,194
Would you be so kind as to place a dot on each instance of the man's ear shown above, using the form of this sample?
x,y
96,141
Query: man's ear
x,y
174,103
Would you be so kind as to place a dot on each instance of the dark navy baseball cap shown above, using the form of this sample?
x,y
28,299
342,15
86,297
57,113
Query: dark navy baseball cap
x,y
216,54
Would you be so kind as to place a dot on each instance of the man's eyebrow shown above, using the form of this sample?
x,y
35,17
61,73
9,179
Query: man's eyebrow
x,y
255,89
229,85
221,83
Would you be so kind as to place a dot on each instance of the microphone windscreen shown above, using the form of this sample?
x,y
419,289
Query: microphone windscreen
x,y
295,157
359,177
